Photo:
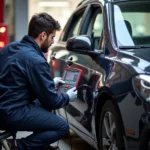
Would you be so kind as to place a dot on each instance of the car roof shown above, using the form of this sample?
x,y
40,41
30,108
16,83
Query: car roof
x,y
91,1
86,2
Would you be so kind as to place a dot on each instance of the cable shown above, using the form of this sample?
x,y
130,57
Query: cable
x,y
81,86
69,130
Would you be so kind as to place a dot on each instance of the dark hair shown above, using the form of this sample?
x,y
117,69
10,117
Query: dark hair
x,y
42,22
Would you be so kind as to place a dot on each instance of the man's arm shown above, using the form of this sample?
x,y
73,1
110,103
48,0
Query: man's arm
x,y
43,86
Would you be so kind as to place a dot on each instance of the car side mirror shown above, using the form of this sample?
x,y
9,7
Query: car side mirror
x,y
81,44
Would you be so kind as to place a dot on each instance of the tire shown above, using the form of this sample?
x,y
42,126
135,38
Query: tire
x,y
110,130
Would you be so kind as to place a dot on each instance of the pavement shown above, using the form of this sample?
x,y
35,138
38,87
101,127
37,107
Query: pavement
x,y
73,143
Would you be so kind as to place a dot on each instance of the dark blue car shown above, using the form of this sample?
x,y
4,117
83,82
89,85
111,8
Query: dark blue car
x,y
110,42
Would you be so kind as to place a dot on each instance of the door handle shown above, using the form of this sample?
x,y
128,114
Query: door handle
x,y
70,61
53,56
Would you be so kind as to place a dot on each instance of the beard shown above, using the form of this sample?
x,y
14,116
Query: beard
x,y
45,46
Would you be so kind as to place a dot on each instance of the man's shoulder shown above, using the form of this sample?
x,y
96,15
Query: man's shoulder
x,y
31,56
12,45
34,57
26,53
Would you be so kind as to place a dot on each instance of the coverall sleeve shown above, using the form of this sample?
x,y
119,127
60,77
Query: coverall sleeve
x,y
43,86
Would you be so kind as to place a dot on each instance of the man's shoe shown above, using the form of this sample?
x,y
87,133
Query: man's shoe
x,y
52,148
12,144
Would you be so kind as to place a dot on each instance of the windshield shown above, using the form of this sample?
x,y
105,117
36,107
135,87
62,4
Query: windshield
x,y
132,23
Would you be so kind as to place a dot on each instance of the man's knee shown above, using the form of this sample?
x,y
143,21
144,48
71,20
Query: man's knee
x,y
64,129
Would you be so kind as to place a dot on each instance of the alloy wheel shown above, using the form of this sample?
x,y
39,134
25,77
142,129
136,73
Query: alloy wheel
x,y
109,138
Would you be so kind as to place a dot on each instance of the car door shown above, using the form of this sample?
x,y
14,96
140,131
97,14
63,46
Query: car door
x,y
80,111
58,53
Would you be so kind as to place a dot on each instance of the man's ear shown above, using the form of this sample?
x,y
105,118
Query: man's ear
x,y
43,36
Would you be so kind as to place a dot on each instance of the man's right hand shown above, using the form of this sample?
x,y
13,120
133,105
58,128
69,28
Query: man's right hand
x,y
72,93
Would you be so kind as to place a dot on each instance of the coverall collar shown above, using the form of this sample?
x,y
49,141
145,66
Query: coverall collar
x,y
28,40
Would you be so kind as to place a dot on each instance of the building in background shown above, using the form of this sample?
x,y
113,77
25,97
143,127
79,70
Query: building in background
x,y
16,18
9,18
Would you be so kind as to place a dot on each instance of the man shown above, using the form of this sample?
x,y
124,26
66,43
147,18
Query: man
x,y
24,77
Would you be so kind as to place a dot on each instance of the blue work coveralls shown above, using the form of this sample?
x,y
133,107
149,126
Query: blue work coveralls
x,y
25,77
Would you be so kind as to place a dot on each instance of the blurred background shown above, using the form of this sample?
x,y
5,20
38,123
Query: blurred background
x,y
15,14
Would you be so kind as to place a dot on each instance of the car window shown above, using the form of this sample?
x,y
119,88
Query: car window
x,y
76,27
73,25
95,27
132,25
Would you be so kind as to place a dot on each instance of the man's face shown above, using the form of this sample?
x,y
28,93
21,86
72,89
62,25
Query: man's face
x,y
48,42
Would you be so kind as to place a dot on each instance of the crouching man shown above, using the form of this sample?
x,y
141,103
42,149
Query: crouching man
x,y
24,77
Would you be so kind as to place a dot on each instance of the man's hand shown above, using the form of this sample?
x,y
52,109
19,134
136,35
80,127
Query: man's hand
x,y
72,94
58,80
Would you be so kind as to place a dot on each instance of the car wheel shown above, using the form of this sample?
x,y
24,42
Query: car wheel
x,y
110,133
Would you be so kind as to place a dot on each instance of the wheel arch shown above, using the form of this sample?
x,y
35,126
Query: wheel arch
x,y
103,97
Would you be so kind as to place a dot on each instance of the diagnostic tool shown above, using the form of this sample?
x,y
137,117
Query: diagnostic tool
x,y
72,77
